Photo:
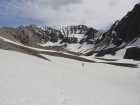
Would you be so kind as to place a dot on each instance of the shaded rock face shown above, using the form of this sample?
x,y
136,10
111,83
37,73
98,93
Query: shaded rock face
x,y
132,53
129,27
110,37
125,30
69,40
121,34
110,34
90,36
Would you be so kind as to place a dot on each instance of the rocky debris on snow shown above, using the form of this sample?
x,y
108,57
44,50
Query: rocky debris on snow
x,y
132,53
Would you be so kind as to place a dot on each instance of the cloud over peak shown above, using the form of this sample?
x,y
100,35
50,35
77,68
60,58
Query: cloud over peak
x,y
93,13
58,3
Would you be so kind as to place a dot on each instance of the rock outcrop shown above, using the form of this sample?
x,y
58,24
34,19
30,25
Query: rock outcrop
x,y
91,36
132,53
123,33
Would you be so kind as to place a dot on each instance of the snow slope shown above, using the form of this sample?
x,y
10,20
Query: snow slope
x,y
16,43
28,80
117,58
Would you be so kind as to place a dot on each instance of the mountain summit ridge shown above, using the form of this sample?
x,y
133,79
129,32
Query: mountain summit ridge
x,y
80,38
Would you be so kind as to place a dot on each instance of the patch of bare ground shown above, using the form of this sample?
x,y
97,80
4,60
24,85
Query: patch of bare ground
x,y
57,48
13,47
122,64
107,59
66,56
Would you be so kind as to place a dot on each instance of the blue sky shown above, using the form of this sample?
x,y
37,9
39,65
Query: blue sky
x,y
93,13
13,21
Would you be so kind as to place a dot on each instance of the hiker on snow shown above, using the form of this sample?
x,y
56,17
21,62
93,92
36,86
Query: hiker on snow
x,y
83,64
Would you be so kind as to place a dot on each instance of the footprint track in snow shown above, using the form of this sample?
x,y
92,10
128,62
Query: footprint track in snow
x,y
63,100
138,86
139,75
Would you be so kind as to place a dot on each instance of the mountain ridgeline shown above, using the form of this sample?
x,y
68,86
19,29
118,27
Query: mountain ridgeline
x,y
82,39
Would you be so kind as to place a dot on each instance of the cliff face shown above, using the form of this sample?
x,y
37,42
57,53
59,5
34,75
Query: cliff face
x,y
122,34
124,31
129,27
91,36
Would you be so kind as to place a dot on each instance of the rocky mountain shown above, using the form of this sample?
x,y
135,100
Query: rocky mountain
x,y
43,34
124,31
123,34
82,39
35,35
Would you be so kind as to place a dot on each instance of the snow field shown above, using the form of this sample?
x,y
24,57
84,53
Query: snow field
x,y
28,80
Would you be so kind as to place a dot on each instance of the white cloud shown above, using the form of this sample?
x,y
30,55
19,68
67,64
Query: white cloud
x,y
57,3
93,13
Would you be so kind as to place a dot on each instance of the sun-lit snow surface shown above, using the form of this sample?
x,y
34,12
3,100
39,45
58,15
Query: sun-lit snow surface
x,y
136,43
28,80
81,48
